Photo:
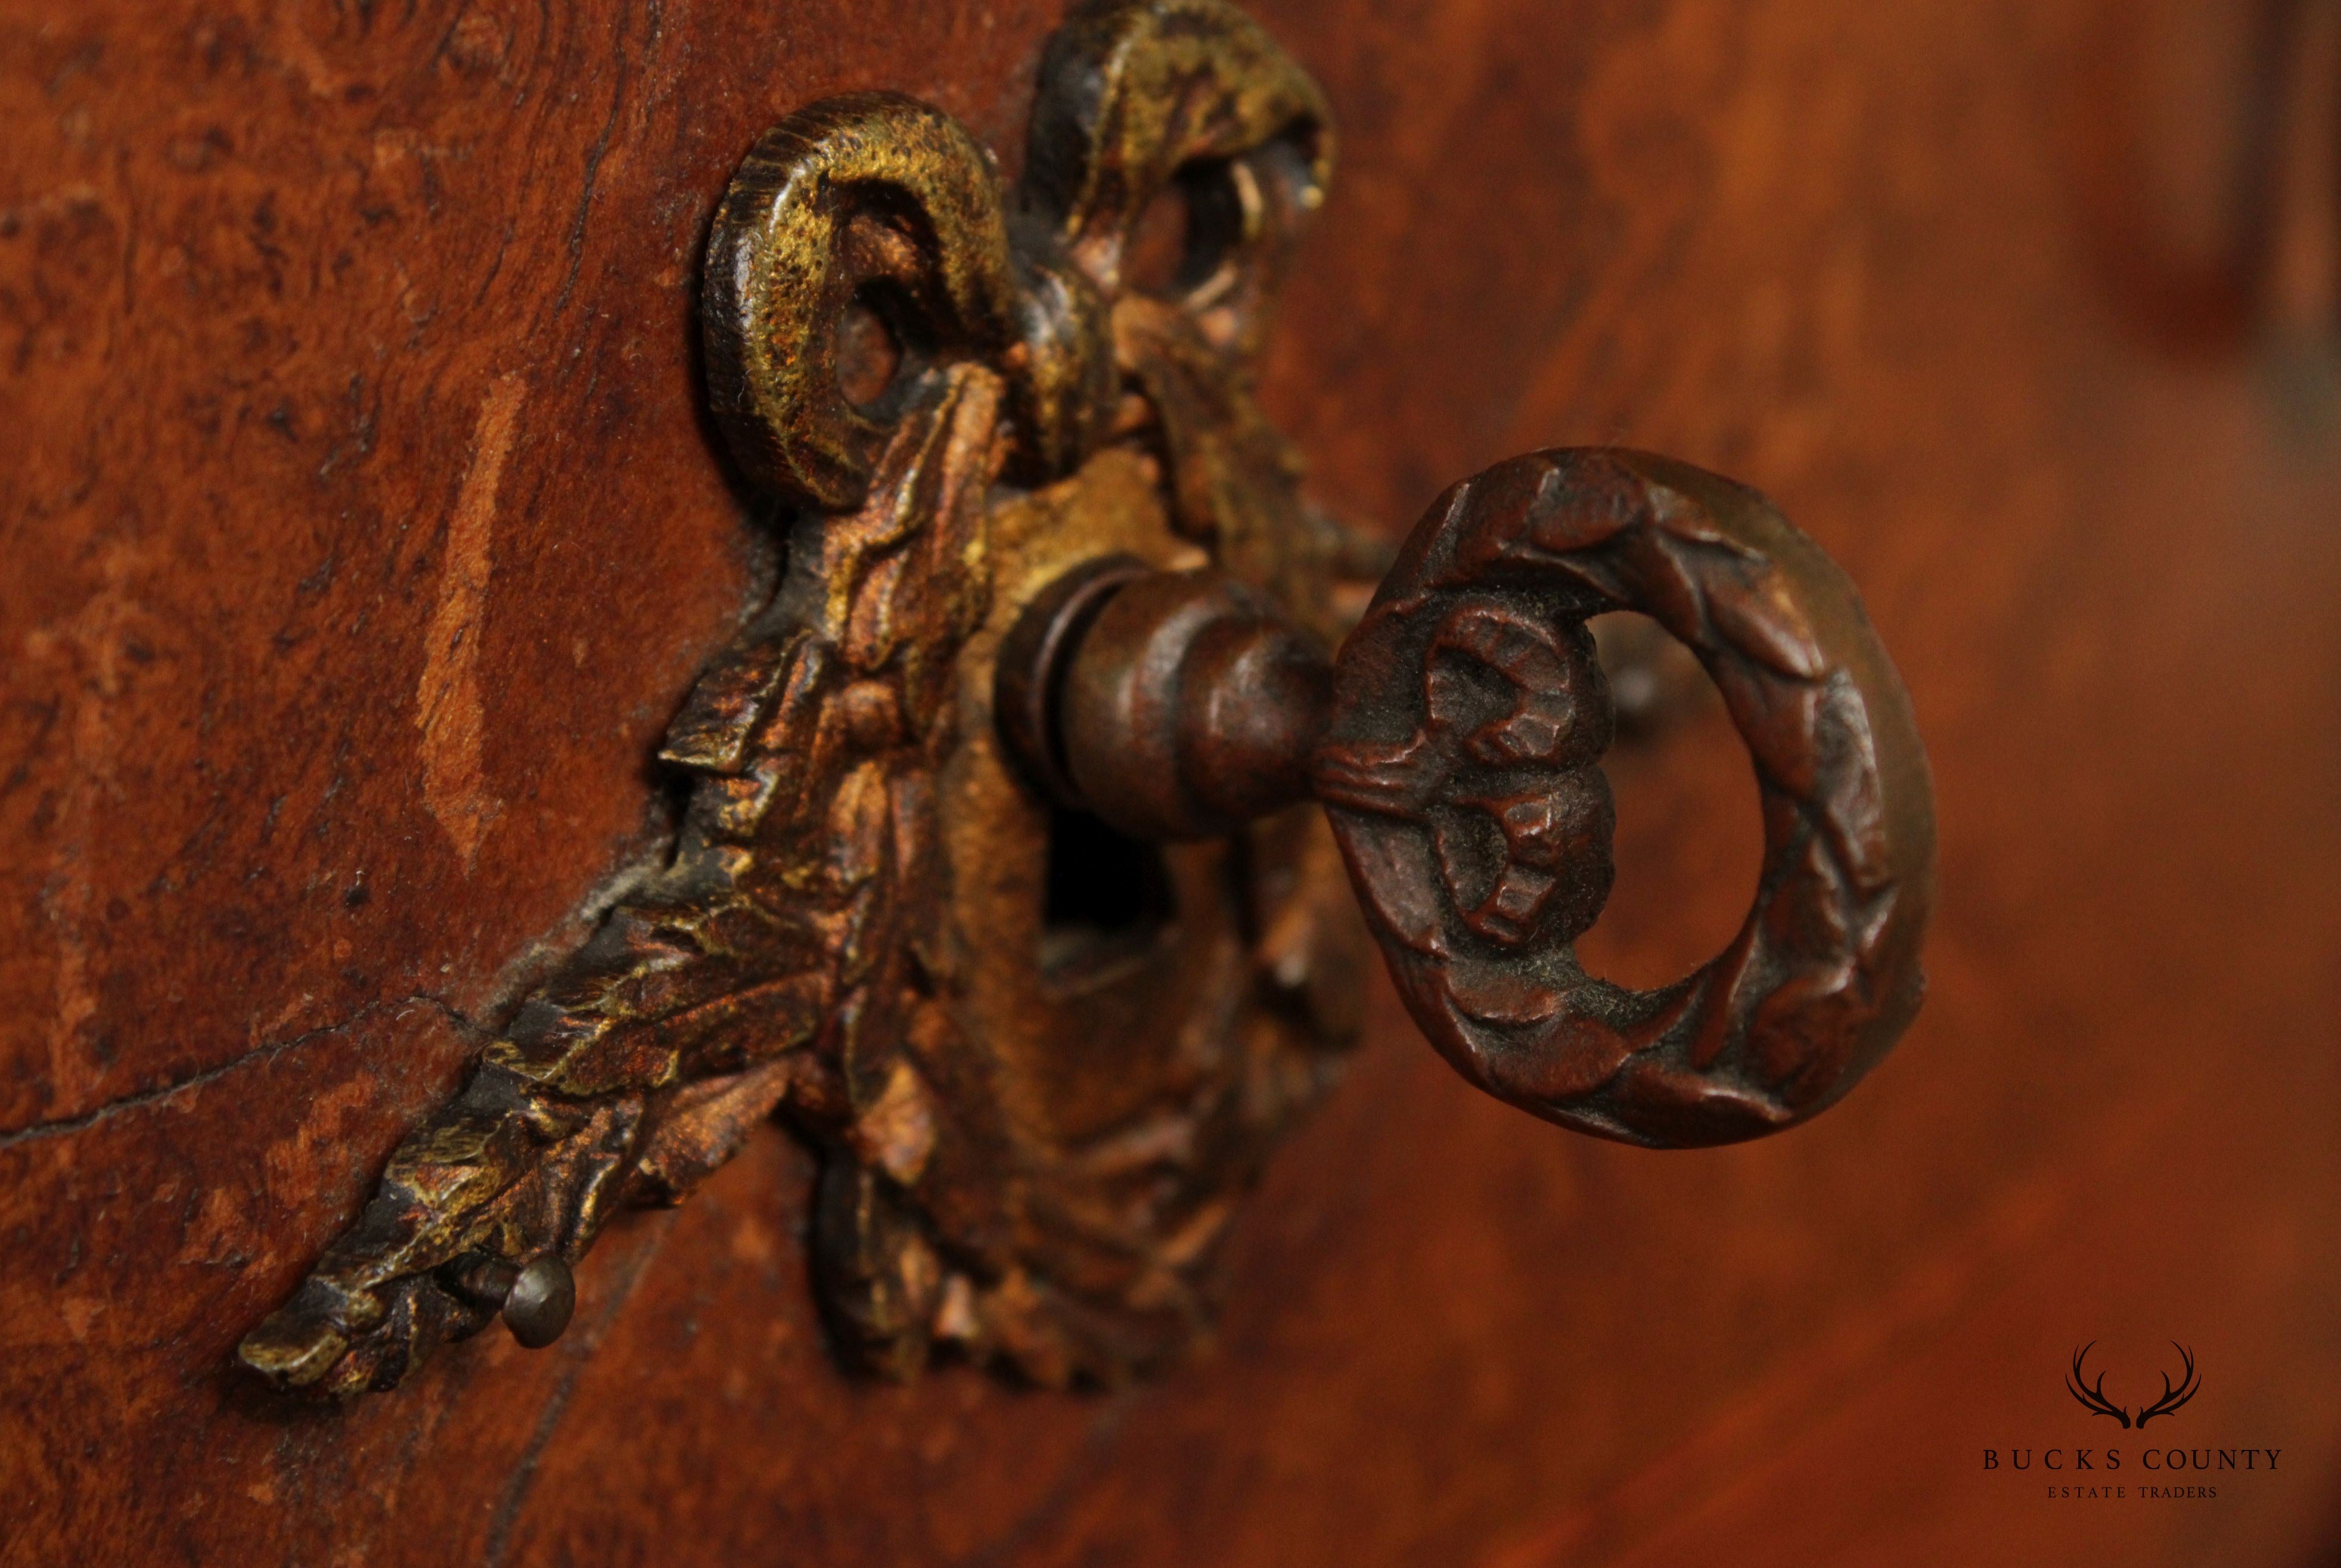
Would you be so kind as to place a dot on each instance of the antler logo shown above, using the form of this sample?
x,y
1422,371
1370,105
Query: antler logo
x,y
2092,1396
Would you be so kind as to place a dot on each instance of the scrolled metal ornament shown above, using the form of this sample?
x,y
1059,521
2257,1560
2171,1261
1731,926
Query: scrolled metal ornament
x,y
860,926
996,881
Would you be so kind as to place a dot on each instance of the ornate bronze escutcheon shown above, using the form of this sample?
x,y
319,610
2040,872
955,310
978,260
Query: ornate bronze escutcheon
x,y
1000,880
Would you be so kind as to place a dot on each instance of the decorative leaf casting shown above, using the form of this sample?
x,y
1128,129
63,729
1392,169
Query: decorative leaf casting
x,y
821,945
1052,594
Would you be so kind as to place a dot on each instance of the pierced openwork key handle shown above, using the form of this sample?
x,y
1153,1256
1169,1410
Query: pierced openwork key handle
x,y
1454,743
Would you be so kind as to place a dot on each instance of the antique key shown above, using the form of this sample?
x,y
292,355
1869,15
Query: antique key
x,y
1454,742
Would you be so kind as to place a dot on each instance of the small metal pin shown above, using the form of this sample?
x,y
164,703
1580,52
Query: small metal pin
x,y
536,1299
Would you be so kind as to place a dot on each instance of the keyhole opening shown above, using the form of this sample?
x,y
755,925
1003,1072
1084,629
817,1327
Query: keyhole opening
x,y
1108,899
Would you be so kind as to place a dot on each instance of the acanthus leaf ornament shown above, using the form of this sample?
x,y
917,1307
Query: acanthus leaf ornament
x,y
996,881
856,928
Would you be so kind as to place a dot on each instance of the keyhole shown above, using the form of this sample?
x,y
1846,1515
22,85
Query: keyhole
x,y
1108,899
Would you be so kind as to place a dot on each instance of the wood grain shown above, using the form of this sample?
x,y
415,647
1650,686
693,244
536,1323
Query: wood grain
x,y
350,388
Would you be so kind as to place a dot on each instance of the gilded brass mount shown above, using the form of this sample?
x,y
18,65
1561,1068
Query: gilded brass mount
x,y
1001,881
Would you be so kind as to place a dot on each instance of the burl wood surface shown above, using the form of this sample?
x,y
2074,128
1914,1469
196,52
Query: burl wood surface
x,y
363,532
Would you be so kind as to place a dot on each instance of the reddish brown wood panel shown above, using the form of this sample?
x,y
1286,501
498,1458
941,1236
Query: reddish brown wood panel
x,y
362,533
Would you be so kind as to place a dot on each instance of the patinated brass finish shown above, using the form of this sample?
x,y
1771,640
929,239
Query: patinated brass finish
x,y
998,881
1040,1061
1454,745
